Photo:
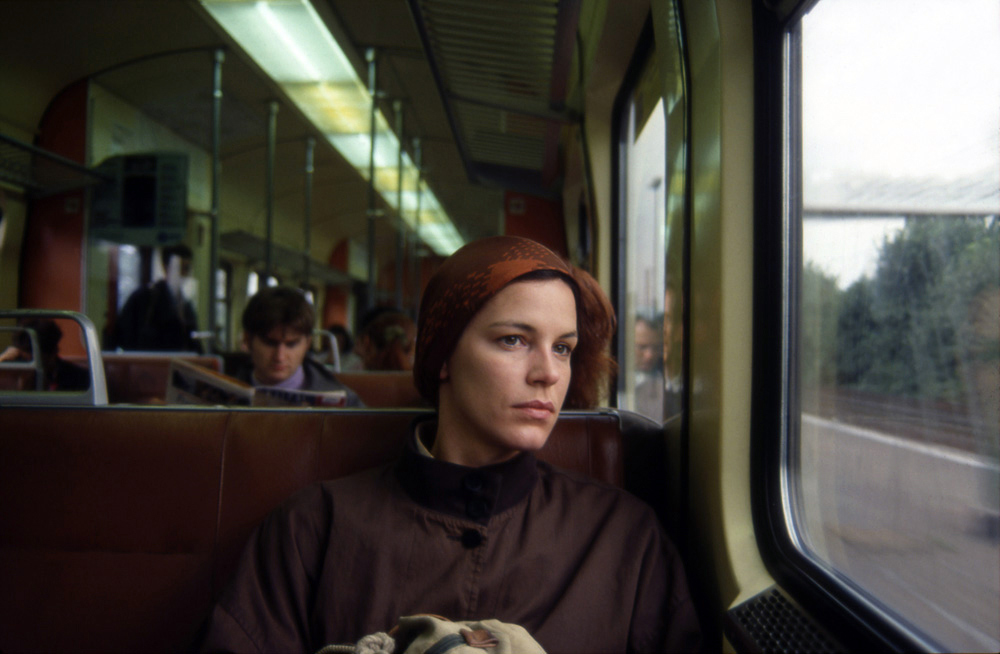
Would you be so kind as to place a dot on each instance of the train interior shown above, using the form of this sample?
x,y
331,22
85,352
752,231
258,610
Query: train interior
x,y
799,233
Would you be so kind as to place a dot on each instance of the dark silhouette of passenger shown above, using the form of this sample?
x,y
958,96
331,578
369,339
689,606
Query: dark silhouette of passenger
x,y
658,396
159,317
649,389
59,374
345,358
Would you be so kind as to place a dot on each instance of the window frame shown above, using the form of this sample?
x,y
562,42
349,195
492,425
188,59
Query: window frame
x,y
775,409
645,48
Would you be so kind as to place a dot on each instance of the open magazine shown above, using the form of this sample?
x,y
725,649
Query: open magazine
x,y
194,384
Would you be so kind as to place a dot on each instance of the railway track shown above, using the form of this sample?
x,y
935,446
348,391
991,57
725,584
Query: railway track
x,y
936,422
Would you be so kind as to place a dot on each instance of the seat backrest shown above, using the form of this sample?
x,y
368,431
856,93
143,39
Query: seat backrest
x,y
384,389
119,527
17,378
142,378
18,390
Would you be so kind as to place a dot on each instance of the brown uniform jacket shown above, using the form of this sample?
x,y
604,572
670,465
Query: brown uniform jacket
x,y
583,566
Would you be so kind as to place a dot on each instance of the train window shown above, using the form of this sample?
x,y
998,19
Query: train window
x,y
892,486
253,283
129,272
643,243
652,225
223,302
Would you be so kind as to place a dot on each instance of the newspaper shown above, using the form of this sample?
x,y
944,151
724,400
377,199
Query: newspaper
x,y
270,396
194,384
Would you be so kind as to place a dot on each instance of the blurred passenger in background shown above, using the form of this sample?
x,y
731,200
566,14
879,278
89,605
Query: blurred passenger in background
x,y
649,387
345,344
328,355
390,342
60,375
277,332
159,317
648,348
363,341
659,394
349,359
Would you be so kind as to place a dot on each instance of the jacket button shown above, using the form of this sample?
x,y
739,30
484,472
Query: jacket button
x,y
471,539
473,483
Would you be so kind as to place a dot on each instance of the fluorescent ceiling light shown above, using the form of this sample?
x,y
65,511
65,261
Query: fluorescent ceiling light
x,y
290,42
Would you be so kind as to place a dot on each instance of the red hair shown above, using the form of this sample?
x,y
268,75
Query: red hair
x,y
477,272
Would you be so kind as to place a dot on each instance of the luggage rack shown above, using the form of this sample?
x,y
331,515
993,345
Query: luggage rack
x,y
39,172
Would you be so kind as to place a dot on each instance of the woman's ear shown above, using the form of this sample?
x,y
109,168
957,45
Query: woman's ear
x,y
443,375
245,342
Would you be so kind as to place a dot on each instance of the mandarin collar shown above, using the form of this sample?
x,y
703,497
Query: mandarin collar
x,y
473,494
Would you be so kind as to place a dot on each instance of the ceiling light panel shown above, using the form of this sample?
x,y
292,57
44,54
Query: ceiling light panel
x,y
292,45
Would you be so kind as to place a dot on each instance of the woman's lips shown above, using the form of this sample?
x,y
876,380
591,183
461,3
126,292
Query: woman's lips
x,y
537,409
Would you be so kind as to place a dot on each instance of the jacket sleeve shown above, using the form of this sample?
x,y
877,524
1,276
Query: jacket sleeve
x,y
664,619
267,605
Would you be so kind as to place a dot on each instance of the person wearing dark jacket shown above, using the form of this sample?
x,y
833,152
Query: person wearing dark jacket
x,y
159,317
468,524
277,332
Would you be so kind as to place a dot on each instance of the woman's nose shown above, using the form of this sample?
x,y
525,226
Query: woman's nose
x,y
544,368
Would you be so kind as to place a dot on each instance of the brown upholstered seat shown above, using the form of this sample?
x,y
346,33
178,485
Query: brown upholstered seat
x,y
118,527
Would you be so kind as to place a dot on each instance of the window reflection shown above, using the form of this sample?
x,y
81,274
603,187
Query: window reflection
x,y
643,255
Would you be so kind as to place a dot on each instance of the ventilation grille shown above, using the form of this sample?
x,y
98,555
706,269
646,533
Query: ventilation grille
x,y
503,70
771,622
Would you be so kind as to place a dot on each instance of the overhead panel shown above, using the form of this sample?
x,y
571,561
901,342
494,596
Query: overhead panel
x,y
501,69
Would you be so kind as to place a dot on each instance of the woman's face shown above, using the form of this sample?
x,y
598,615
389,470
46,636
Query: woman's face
x,y
504,384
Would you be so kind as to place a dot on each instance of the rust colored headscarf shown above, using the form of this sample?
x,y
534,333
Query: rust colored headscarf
x,y
477,272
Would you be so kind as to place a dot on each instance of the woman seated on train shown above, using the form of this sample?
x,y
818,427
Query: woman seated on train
x,y
468,524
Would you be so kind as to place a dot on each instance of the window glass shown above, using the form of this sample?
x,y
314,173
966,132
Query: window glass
x,y
894,483
222,303
648,385
253,283
129,272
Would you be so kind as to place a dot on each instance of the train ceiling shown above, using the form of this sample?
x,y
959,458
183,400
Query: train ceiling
x,y
483,85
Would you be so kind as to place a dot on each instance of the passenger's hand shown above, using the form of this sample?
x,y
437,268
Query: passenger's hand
x,y
12,354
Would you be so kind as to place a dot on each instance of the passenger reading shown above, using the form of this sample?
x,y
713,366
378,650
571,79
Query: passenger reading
x,y
193,384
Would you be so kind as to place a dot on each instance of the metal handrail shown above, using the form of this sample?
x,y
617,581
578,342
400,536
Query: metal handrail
x,y
95,395
36,361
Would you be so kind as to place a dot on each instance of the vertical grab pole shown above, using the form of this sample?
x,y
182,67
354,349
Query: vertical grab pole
x,y
372,76
417,268
307,215
397,108
213,246
272,137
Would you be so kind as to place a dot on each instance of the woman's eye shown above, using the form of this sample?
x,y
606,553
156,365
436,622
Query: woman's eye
x,y
511,340
563,349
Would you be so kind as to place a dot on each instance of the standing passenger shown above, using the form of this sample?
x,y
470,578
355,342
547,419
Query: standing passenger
x,y
277,332
468,524
159,317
